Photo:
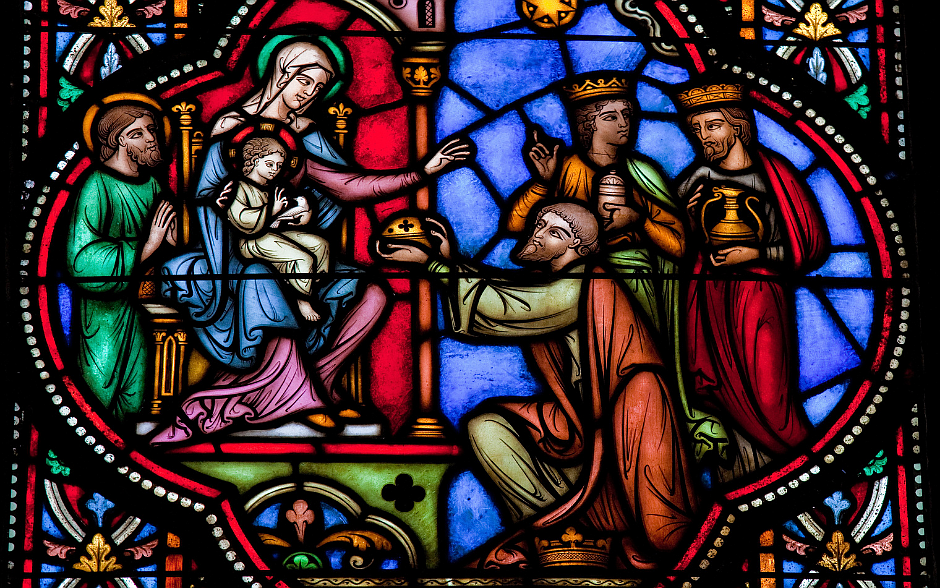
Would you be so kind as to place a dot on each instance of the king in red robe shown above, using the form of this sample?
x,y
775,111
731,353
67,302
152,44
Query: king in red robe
x,y
740,349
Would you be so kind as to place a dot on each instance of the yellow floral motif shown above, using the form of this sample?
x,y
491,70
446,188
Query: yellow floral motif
x,y
99,561
340,110
840,558
112,16
572,536
817,27
421,77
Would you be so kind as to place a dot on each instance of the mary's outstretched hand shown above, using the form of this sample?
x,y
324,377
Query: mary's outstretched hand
x,y
455,150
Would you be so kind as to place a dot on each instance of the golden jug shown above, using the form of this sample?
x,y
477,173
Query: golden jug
x,y
732,230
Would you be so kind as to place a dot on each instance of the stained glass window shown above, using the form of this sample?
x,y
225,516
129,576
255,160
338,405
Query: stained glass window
x,y
471,292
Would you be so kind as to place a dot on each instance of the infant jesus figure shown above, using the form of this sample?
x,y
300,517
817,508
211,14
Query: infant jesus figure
x,y
264,223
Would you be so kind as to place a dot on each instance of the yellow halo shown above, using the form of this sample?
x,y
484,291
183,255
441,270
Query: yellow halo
x,y
92,112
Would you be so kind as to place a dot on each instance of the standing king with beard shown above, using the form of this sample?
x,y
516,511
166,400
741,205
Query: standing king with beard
x,y
739,345
109,237
601,451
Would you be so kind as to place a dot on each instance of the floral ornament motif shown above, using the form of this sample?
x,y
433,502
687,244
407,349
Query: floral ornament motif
x,y
68,533
797,546
816,27
55,465
111,16
363,548
404,493
877,464
314,532
112,61
57,549
421,74
861,103
817,66
881,546
838,558
572,536
143,550
66,8
850,532
99,561
144,9
303,561
831,64
300,515
837,504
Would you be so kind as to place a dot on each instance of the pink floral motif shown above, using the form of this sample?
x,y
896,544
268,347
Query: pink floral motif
x,y
144,550
301,516
776,18
152,9
57,550
66,8
794,545
854,15
880,546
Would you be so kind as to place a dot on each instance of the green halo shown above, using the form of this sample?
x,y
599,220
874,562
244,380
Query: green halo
x,y
335,51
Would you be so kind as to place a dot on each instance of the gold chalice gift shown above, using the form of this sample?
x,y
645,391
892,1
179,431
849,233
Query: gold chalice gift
x,y
741,223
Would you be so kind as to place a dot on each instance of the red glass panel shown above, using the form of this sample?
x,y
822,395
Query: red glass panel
x,y
373,82
311,11
392,367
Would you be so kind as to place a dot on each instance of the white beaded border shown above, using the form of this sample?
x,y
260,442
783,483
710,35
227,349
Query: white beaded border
x,y
16,457
66,411
27,65
216,53
899,82
918,483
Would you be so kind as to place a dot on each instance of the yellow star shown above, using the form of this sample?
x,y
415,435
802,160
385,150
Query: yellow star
x,y
549,14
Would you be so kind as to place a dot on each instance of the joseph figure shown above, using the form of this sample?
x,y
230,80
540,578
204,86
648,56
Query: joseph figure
x,y
119,223
602,452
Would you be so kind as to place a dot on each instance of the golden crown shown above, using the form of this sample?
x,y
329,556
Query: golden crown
x,y
712,94
596,88
405,228
573,550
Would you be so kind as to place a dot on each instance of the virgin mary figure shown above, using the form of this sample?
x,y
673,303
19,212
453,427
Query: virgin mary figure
x,y
270,362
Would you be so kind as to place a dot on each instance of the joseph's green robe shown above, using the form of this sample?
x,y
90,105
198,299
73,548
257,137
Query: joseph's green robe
x,y
106,235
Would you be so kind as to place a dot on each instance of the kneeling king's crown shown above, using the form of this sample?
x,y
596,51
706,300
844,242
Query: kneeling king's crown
x,y
573,550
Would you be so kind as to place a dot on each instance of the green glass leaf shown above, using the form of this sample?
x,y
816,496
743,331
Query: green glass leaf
x,y
303,560
877,464
859,101
68,93
55,466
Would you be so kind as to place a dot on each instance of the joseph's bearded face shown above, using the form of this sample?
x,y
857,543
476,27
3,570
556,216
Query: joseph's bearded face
x,y
715,133
140,141
550,239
